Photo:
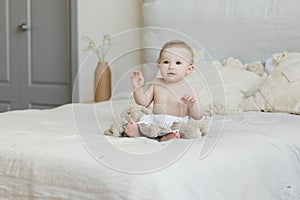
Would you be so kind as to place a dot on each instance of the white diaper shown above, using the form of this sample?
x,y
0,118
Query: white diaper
x,y
164,122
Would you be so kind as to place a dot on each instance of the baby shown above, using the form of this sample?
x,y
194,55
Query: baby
x,y
172,96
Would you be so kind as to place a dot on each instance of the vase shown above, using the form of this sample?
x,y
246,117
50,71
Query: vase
x,y
102,82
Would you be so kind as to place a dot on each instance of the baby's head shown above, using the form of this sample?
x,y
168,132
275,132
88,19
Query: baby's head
x,y
178,44
175,60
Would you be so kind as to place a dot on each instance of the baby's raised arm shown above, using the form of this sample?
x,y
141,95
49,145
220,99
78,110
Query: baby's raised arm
x,y
141,96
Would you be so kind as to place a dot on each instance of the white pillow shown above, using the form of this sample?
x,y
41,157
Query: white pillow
x,y
239,84
290,67
227,86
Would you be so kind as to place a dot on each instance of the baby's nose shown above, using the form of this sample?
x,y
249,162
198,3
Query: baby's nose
x,y
171,66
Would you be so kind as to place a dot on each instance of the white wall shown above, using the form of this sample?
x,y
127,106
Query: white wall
x,y
99,17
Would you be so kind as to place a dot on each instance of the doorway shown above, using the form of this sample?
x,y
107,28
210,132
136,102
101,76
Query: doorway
x,y
35,54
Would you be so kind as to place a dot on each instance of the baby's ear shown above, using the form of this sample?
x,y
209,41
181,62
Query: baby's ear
x,y
191,68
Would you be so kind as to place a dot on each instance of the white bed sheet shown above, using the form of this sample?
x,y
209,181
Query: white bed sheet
x,y
42,157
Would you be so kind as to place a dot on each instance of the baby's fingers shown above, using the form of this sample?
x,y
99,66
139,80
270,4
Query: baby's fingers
x,y
188,98
137,73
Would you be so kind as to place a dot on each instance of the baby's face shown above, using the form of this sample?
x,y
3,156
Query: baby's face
x,y
175,63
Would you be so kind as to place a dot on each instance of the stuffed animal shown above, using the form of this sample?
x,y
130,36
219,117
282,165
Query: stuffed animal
x,y
135,112
190,130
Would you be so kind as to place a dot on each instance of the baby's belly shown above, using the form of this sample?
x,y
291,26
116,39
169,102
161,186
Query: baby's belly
x,y
170,109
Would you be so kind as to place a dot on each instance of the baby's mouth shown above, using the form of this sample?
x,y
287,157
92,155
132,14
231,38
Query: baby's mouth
x,y
171,73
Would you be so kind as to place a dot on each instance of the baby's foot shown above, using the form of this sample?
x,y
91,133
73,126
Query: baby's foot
x,y
132,129
173,135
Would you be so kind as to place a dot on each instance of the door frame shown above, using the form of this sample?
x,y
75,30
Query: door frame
x,y
74,50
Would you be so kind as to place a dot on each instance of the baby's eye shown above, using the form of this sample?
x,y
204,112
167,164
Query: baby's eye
x,y
178,63
166,62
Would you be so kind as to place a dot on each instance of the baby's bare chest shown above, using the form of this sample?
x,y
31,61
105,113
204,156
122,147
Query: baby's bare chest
x,y
173,94
168,100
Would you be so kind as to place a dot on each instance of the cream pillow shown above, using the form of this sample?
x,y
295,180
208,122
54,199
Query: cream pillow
x,y
290,67
225,86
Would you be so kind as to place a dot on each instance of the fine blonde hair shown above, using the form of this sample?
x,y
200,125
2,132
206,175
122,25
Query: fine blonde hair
x,y
177,43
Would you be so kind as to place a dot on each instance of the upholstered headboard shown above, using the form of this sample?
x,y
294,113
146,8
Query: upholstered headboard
x,y
247,30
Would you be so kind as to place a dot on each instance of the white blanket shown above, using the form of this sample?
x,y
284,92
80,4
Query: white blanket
x,y
44,155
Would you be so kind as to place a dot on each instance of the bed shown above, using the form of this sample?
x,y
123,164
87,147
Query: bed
x,y
251,150
45,155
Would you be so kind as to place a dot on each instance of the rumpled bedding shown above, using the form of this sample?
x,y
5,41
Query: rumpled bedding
x,y
49,154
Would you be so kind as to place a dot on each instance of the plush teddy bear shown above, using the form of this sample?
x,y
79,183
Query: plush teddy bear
x,y
135,112
190,130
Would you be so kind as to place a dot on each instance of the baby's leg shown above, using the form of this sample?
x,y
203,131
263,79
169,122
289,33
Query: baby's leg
x,y
173,135
132,129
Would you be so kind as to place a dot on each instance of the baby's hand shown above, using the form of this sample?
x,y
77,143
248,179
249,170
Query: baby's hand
x,y
137,79
188,100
